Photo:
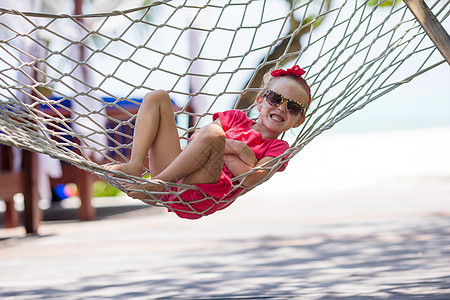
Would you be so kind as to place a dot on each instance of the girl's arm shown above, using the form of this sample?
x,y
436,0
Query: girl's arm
x,y
238,167
240,159
258,176
240,150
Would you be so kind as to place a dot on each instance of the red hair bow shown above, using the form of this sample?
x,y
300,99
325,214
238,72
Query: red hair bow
x,y
294,71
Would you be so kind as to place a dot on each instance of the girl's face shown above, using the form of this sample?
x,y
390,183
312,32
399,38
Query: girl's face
x,y
275,120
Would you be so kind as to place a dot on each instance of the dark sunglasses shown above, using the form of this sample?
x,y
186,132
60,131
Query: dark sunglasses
x,y
293,107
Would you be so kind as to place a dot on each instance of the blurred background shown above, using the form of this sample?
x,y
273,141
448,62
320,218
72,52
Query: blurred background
x,y
401,138
361,210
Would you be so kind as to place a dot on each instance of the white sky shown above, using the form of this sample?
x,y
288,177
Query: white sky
x,y
424,101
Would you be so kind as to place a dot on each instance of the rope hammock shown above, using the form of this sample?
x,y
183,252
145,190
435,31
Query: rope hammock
x,y
71,84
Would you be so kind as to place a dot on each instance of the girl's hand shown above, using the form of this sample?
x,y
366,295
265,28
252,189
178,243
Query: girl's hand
x,y
193,136
235,165
240,150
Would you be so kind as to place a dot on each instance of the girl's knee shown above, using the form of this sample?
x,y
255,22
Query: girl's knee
x,y
212,132
157,96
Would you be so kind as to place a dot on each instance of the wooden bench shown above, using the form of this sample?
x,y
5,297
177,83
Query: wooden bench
x,y
25,181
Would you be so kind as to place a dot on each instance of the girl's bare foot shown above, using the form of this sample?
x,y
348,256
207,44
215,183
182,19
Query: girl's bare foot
x,y
127,168
138,191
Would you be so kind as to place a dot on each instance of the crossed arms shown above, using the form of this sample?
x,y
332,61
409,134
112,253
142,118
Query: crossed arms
x,y
240,159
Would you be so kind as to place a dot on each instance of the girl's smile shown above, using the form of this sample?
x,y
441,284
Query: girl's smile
x,y
274,120
276,117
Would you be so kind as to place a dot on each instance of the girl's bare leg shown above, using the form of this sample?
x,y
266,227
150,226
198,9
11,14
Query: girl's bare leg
x,y
155,133
200,162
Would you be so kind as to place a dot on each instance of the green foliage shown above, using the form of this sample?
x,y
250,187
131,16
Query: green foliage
x,y
103,189
380,3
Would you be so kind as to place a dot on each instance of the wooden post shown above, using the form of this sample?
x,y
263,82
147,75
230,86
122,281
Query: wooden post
x,y
32,212
11,182
85,180
11,214
431,25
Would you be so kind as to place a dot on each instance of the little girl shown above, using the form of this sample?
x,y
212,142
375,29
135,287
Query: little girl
x,y
230,146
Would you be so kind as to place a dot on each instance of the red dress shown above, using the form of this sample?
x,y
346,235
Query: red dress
x,y
209,198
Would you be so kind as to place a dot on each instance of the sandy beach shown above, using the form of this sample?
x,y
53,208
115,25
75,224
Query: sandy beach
x,y
355,216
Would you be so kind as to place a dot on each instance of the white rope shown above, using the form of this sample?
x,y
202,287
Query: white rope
x,y
353,52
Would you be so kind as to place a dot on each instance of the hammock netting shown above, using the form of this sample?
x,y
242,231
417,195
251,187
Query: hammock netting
x,y
71,84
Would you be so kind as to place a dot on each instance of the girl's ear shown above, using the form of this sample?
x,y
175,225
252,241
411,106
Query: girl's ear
x,y
259,103
299,121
